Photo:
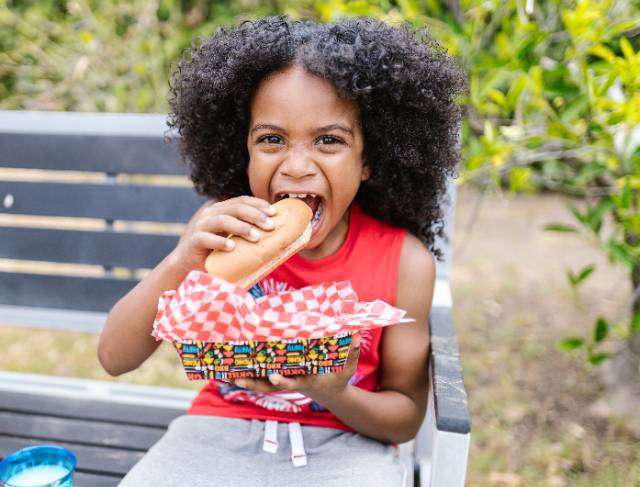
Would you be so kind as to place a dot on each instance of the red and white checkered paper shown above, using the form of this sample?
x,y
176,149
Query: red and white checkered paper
x,y
210,309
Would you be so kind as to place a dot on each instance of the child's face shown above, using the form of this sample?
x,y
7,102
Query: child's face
x,y
304,138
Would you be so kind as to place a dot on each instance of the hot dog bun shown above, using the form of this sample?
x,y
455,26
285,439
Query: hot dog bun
x,y
249,262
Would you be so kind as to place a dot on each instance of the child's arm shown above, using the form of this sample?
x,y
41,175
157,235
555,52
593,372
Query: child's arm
x,y
395,413
126,341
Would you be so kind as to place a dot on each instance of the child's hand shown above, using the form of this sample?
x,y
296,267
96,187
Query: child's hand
x,y
317,387
210,226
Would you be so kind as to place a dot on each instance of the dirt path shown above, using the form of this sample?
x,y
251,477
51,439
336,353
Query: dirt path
x,y
529,401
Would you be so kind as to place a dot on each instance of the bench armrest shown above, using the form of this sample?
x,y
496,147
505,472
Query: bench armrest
x,y
450,397
442,444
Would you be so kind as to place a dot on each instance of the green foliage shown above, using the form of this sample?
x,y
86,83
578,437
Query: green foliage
x,y
553,102
591,346
102,56
572,343
600,330
634,325
560,227
598,357
576,279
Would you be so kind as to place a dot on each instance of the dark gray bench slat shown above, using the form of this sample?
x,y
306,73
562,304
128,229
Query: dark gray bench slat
x,y
118,249
79,431
81,479
62,291
102,153
451,404
87,409
108,201
92,459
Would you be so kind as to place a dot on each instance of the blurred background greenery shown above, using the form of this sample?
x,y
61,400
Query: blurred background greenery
x,y
552,122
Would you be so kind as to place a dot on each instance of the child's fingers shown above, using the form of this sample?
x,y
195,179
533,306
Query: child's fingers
x,y
251,214
284,383
206,240
230,225
258,203
255,385
354,351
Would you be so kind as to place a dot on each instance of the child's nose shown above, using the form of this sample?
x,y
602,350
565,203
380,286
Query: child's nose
x,y
298,165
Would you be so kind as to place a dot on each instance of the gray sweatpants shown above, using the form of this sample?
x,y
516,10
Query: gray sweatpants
x,y
215,451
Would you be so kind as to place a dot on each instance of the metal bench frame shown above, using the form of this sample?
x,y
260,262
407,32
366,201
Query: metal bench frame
x,y
136,143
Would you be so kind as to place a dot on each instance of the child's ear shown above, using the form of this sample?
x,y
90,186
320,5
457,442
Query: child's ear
x,y
366,173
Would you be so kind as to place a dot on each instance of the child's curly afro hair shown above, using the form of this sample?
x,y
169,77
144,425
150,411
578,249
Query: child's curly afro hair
x,y
403,82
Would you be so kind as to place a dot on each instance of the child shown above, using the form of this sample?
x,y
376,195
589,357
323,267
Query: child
x,y
359,119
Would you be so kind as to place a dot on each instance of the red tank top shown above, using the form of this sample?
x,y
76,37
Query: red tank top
x,y
369,258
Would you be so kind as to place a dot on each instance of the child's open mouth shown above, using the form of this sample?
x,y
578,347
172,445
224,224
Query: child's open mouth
x,y
315,202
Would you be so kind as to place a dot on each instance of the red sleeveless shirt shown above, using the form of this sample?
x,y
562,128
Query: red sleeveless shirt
x,y
369,258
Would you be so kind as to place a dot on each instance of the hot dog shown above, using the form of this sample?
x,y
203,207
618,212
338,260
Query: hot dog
x,y
249,262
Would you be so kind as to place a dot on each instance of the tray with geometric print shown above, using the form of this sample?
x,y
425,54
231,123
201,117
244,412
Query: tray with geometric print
x,y
224,332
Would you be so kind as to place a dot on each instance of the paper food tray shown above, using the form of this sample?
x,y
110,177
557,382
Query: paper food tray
x,y
223,332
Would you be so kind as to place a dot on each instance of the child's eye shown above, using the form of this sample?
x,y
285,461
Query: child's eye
x,y
328,139
271,139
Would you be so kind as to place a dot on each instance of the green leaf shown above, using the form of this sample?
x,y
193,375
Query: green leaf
x,y
515,90
575,109
571,343
498,97
626,48
576,279
560,227
618,252
615,118
527,46
625,197
520,179
595,215
635,324
604,53
594,221
598,358
578,216
591,90
623,26
610,80
558,82
600,330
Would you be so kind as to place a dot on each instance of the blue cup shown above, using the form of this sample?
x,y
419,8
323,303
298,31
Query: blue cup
x,y
38,466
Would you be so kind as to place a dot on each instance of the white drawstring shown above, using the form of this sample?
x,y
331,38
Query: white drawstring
x,y
270,443
298,455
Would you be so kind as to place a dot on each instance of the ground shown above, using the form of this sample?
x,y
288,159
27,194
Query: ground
x,y
531,404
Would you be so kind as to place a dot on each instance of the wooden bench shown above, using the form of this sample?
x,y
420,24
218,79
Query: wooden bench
x,y
109,425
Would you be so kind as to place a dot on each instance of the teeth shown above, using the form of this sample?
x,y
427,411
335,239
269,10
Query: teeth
x,y
298,195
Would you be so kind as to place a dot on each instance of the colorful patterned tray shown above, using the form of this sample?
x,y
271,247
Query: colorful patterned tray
x,y
222,331
234,360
